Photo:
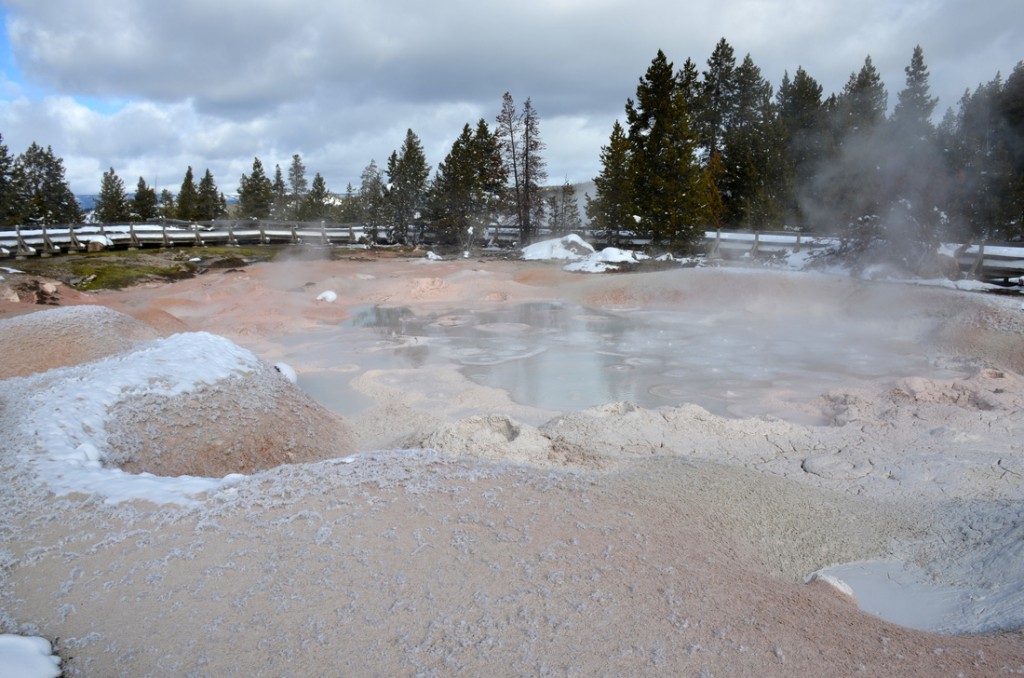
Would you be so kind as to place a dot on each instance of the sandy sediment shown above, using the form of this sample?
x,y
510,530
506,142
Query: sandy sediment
x,y
615,540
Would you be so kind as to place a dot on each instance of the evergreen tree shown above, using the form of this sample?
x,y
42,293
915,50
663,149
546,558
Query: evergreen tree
x,y
611,209
754,153
521,146
453,193
407,186
980,154
188,198
854,185
167,204
862,103
1011,110
534,171
297,180
914,170
373,209
564,210
255,193
718,98
315,201
279,209
41,193
464,194
349,213
8,194
801,113
112,205
210,202
914,106
144,205
666,175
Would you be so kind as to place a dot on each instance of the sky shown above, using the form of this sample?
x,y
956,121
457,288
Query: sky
x,y
149,88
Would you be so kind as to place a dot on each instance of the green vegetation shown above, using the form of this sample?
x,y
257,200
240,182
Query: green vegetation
x,y
117,269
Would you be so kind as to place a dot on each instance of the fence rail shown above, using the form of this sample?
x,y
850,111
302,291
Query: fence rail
x,y
985,260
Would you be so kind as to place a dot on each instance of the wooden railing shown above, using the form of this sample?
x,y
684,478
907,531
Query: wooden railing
x,y
985,260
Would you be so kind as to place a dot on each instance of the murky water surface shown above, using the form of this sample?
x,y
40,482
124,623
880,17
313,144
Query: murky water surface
x,y
566,357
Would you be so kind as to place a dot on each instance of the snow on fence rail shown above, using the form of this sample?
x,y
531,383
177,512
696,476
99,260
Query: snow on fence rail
x,y
991,260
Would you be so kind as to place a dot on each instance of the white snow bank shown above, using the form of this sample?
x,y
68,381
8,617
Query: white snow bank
x,y
329,296
582,255
27,657
60,432
568,248
608,259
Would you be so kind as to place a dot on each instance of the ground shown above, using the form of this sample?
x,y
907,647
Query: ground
x,y
613,541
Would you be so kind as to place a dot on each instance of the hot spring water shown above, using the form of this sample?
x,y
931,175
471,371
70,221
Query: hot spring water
x,y
733,362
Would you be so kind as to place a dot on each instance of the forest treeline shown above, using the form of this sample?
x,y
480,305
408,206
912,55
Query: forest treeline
x,y
717,147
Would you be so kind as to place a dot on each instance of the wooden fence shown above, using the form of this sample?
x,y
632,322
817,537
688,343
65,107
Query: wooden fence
x,y
985,260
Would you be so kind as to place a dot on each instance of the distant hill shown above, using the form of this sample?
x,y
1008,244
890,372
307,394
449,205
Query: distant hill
x,y
87,201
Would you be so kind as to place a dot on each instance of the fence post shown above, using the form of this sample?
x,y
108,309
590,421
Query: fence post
x,y
979,261
757,243
134,243
21,249
73,242
48,246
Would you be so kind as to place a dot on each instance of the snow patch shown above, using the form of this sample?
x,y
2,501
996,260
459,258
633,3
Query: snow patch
x,y
27,657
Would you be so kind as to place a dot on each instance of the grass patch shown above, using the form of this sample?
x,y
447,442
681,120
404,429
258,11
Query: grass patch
x,y
120,268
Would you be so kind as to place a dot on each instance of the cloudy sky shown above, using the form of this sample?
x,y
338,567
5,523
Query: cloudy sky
x,y
151,87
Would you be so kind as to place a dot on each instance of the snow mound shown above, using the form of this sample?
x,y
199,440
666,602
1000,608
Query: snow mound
x,y
329,296
568,248
608,259
582,256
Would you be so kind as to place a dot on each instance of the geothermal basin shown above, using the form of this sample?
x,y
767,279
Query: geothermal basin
x,y
516,470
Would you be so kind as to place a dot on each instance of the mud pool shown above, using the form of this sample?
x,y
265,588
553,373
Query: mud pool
x,y
557,356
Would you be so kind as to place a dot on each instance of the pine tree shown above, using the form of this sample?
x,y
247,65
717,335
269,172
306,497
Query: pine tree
x,y
255,193
754,153
801,113
167,205
611,209
915,106
407,186
41,193
718,98
188,198
144,205
1011,110
279,208
914,171
297,180
853,187
564,210
349,213
663,147
7,186
315,201
534,171
112,206
373,210
210,202
863,101
521,146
